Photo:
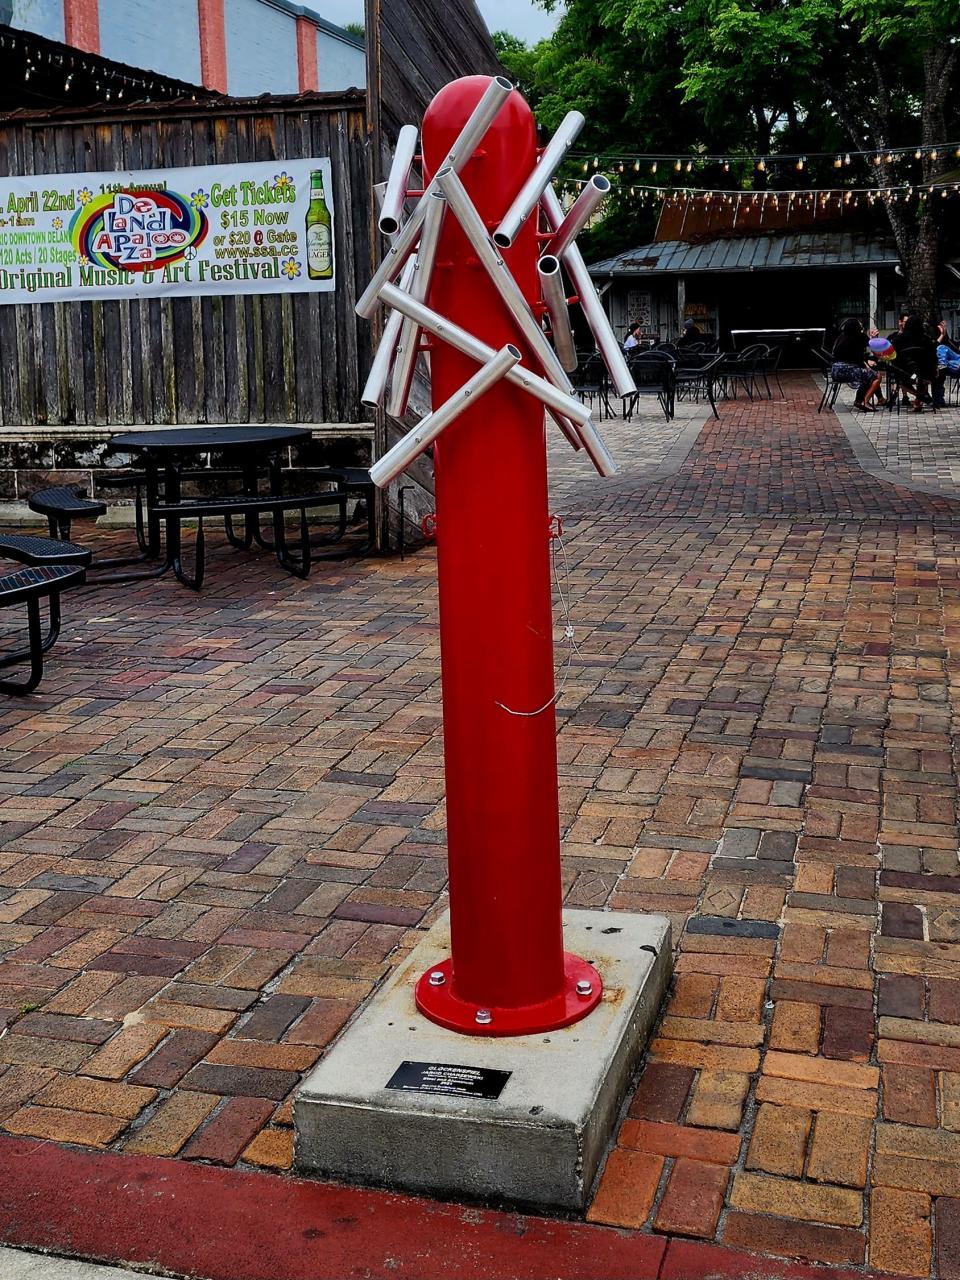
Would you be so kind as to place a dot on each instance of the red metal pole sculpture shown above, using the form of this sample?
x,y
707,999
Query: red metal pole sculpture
x,y
474,281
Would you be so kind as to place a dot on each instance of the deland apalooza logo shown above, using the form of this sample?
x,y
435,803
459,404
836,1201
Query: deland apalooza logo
x,y
137,230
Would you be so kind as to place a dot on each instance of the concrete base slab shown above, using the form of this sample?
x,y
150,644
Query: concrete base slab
x,y
538,1143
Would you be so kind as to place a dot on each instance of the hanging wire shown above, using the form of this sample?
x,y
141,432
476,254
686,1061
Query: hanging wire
x,y
568,632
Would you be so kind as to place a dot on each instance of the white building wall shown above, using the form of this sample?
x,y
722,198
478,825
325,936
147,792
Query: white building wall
x,y
339,65
162,35
261,49
44,17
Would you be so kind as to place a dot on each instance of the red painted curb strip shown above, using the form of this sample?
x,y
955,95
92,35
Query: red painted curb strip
x,y
697,1260
225,1224
228,1224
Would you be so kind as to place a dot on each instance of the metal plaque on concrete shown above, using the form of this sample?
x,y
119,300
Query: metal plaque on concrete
x,y
445,1077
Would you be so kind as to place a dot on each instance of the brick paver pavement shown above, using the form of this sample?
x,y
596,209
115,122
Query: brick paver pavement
x,y
221,821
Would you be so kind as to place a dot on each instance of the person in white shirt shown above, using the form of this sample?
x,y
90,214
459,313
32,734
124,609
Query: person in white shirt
x,y
632,340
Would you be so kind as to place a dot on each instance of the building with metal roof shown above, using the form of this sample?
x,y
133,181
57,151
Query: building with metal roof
x,y
735,286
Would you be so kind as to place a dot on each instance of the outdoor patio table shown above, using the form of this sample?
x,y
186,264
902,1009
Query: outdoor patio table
x,y
163,452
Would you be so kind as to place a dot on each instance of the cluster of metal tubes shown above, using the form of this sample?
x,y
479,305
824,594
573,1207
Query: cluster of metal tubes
x,y
412,254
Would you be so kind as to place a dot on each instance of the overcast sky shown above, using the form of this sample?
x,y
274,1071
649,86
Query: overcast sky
x,y
521,18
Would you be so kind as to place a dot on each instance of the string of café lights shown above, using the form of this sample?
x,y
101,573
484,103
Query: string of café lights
x,y
73,64
798,159
808,197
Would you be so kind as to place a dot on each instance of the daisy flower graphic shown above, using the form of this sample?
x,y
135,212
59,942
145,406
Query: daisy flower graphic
x,y
85,195
290,268
282,181
82,260
199,199
57,224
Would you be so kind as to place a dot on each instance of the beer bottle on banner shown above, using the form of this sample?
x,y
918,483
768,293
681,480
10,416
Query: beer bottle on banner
x,y
319,232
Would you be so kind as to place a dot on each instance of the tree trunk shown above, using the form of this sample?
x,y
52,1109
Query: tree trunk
x,y
921,265
921,257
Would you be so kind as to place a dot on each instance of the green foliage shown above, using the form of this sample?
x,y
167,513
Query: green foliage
x,y
743,77
356,29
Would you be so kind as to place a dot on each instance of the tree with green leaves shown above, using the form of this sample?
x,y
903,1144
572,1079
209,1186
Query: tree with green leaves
x,y
769,75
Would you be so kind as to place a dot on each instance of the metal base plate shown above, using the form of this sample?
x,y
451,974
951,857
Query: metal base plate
x,y
441,1004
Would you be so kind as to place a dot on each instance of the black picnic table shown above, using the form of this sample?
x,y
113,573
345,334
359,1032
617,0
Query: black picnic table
x,y
247,451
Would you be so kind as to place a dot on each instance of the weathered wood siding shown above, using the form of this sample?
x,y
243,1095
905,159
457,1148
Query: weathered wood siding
x,y
260,358
414,48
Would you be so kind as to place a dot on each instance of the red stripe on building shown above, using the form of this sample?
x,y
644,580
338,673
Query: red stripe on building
x,y
213,44
307,55
81,24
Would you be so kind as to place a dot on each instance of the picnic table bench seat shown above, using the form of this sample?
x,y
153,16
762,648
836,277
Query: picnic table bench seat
x,y
27,548
249,505
29,586
62,504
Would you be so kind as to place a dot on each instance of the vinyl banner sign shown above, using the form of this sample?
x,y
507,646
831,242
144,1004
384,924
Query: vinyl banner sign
x,y
221,229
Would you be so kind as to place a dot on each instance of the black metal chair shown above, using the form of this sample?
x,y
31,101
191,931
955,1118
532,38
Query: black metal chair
x,y
591,381
653,373
907,374
768,366
740,369
696,375
831,389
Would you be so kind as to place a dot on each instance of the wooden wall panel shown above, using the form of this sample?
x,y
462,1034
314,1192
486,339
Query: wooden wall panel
x,y
252,358
414,48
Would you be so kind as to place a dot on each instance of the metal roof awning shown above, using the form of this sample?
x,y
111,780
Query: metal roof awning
x,y
753,253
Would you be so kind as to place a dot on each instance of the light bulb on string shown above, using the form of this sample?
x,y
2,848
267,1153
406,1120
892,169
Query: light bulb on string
x,y
620,167
689,166
838,163
596,163
800,163
678,165
917,154
586,166
653,167
933,154
636,166
726,166
846,158
889,157
762,166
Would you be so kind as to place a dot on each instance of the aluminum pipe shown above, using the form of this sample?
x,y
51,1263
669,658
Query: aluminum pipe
x,y
398,179
481,118
406,359
599,453
554,399
473,227
551,285
568,429
531,191
376,383
596,317
415,442
579,213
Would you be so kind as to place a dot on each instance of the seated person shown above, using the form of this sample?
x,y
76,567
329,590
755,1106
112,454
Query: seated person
x,y
632,340
916,355
850,365
943,338
948,366
691,333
